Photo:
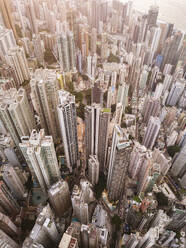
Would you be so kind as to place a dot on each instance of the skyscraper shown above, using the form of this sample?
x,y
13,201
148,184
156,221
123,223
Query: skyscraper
x,y
175,92
8,226
13,181
15,57
16,114
151,108
96,132
59,196
44,86
152,15
5,7
93,41
6,241
93,169
118,163
40,155
7,41
178,167
97,94
7,201
68,127
151,132
38,49
66,51
122,96
30,11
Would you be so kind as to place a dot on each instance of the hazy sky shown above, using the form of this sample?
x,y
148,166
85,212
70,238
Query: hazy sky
x,y
170,10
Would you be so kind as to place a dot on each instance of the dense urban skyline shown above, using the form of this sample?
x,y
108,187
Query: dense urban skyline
x,y
92,126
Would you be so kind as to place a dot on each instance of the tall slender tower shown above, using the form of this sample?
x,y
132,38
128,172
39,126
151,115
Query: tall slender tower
x,y
44,86
68,127
151,133
7,201
96,132
40,155
5,7
119,161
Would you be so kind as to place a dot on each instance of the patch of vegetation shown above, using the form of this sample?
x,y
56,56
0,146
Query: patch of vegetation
x,y
172,150
116,220
49,57
162,199
98,51
18,31
113,58
88,96
136,199
26,82
98,189
123,125
128,110
85,77
79,96
81,111
113,108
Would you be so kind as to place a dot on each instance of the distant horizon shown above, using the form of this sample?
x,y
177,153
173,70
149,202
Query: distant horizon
x,y
174,7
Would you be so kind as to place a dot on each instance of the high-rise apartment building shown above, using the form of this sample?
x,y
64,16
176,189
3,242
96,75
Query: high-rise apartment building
x,y
66,51
39,153
16,114
68,241
30,12
38,49
175,92
122,96
93,169
6,11
93,41
118,163
44,232
97,94
6,241
138,156
13,181
44,86
7,41
167,82
96,132
7,201
15,57
118,113
151,108
151,132
178,167
59,196
68,127
8,226
81,197
152,15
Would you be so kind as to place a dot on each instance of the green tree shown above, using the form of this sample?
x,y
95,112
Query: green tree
x,y
79,96
81,111
88,96
113,58
18,31
128,110
172,150
85,77
162,199
113,108
49,57
116,220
